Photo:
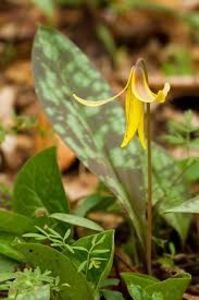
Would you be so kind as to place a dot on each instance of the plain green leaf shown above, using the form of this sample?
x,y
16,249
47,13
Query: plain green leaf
x,y
4,276
6,248
138,279
15,223
60,265
174,286
76,220
171,286
38,187
157,296
93,202
138,293
7,264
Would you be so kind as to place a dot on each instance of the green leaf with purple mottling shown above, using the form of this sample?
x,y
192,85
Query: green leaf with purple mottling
x,y
59,70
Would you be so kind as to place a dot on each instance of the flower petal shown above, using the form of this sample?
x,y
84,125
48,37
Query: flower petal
x,y
162,94
95,103
140,86
134,110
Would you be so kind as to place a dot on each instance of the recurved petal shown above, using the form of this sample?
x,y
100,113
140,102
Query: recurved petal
x,y
95,103
140,86
133,109
162,94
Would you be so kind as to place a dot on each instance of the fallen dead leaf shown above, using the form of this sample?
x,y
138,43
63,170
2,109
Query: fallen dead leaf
x,y
7,99
78,187
20,73
107,220
190,297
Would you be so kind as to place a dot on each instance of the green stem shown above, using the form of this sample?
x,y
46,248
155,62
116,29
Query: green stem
x,y
149,195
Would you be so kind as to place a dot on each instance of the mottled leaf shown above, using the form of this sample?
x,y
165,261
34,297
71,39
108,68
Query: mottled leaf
x,y
169,189
189,207
95,134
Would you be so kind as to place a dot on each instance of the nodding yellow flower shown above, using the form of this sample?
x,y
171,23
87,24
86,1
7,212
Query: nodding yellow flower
x,y
137,94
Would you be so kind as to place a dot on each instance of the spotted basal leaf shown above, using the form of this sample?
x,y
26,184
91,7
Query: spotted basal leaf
x,y
59,70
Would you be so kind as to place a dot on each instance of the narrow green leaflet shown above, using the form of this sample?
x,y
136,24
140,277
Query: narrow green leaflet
x,y
78,221
153,289
38,188
95,134
9,220
94,256
189,207
47,258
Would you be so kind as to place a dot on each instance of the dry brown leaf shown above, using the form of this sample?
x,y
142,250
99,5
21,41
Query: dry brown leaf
x,y
78,187
107,220
190,297
7,99
20,73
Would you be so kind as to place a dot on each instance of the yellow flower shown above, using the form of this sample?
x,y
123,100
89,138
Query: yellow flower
x,y
137,94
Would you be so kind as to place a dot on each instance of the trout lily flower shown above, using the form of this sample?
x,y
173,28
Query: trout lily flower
x,y
137,95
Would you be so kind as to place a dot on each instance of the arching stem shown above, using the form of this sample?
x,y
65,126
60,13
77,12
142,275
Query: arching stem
x,y
149,195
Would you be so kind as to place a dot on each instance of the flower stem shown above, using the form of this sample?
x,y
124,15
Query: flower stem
x,y
149,195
